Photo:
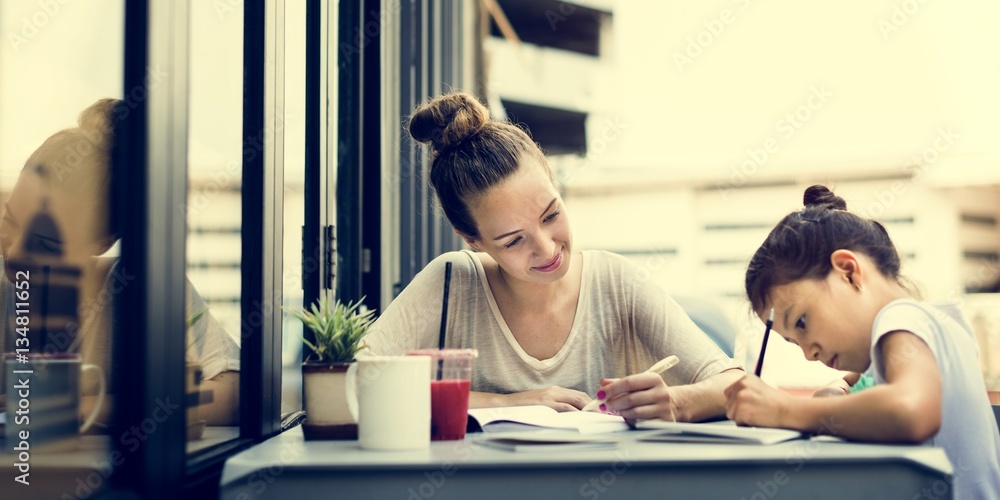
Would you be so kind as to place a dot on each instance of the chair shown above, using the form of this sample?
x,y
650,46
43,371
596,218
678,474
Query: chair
x,y
710,318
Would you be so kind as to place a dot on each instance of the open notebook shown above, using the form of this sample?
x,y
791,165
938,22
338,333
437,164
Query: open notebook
x,y
519,418
558,440
714,432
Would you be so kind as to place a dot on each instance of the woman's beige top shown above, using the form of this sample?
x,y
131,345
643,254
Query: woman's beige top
x,y
624,324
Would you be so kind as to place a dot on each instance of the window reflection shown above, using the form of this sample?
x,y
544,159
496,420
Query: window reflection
x,y
214,222
62,72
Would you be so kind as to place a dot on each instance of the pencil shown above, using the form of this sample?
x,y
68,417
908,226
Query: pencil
x,y
763,345
444,317
660,367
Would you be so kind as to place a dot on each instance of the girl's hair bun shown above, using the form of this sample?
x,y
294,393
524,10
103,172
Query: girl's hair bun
x,y
818,196
448,120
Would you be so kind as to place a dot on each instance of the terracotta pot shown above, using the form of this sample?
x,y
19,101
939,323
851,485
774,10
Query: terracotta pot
x,y
327,413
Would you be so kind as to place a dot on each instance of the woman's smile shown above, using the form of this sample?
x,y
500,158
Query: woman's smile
x,y
552,265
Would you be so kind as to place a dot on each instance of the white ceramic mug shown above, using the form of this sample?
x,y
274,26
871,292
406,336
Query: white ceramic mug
x,y
390,398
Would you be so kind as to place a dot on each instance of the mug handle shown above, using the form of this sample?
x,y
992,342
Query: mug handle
x,y
350,390
100,396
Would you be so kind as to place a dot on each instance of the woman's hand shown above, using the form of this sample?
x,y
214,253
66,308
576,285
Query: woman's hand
x,y
749,401
555,397
831,390
838,387
643,395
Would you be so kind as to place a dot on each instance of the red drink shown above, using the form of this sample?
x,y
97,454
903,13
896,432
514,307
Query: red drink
x,y
449,409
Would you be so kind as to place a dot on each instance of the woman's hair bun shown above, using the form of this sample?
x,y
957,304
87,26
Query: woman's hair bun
x,y
448,120
99,117
818,195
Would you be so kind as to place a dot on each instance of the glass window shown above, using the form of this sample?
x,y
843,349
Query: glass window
x,y
215,154
294,203
59,99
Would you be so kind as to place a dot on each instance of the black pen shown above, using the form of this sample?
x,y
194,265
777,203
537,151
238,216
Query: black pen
x,y
763,345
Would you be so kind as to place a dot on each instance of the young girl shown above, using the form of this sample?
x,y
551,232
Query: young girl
x,y
549,321
833,281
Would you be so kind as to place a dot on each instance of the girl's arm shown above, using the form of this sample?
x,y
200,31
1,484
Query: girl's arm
x,y
907,408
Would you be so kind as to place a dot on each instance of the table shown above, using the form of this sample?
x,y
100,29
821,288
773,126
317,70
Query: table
x,y
286,466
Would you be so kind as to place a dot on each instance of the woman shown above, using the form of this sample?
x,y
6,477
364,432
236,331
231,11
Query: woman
x,y
549,321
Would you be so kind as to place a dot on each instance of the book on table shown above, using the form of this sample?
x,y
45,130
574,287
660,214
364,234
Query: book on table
x,y
713,432
534,417
527,422
543,440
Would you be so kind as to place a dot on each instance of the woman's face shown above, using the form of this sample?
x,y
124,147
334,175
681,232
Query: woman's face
x,y
80,233
523,225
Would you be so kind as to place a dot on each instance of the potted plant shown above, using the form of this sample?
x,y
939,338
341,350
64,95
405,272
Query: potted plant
x,y
338,332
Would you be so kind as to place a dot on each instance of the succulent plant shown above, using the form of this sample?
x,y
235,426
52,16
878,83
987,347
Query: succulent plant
x,y
338,329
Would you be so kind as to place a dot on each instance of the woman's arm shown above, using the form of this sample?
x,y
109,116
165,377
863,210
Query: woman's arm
x,y
905,409
557,398
224,409
693,389
646,395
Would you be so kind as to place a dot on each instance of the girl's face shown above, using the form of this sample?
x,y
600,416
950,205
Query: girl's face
x,y
828,319
523,225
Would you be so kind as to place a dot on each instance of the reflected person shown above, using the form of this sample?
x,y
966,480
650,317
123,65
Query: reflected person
x,y
59,209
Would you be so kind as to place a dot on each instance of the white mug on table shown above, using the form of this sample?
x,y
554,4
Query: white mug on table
x,y
390,398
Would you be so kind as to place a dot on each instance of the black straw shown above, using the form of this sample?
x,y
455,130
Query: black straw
x,y
763,346
444,315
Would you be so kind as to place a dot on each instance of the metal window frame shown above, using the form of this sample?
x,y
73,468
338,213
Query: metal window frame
x,y
151,163
263,183
432,39
150,173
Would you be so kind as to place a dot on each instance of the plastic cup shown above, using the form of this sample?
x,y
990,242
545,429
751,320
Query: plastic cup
x,y
451,374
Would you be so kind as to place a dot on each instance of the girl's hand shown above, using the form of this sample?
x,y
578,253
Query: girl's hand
x,y
555,397
643,395
749,401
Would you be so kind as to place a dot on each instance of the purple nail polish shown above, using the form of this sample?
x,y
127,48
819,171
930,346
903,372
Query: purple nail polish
x,y
603,408
600,394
